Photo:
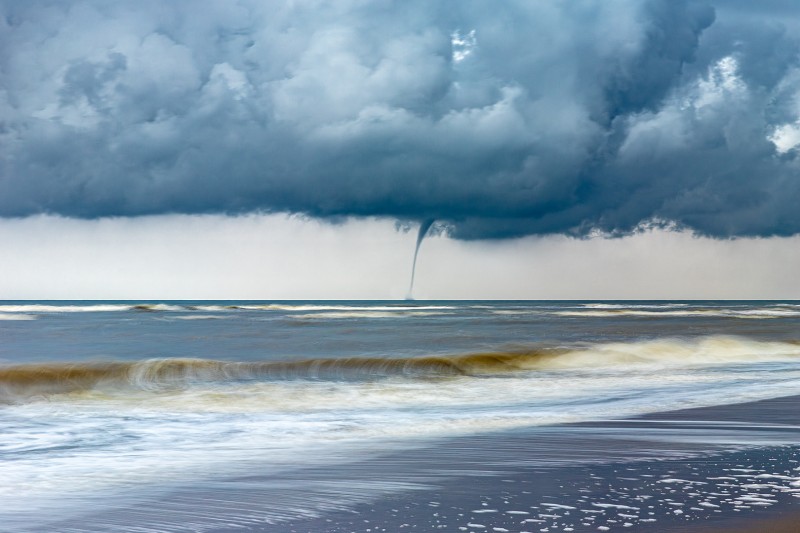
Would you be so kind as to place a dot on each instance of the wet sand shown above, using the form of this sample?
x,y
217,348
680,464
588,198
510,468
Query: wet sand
x,y
786,524
728,468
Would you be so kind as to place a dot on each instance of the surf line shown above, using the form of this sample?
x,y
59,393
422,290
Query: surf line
x,y
423,230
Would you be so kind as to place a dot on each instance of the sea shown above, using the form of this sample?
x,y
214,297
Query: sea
x,y
148,416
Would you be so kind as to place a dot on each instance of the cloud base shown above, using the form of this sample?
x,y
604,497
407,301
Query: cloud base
x,y
528,118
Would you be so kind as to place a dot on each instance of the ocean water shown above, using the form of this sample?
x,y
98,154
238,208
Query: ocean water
x,y
168,406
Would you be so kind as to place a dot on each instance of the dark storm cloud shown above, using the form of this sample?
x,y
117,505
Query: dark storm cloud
x,y
501,119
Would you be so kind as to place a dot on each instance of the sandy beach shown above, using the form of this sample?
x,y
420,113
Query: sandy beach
x,y
728,468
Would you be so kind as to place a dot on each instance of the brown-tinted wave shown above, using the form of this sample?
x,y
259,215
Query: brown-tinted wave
x,y
24,381
41,379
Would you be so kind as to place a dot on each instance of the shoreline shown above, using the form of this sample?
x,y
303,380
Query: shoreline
x,y
790,523
786,518
715,469
650,474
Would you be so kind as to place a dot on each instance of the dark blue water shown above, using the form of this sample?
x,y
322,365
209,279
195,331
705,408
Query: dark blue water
x,y
230,330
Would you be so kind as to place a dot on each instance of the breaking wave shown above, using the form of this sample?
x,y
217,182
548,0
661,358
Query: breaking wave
x,y
24,381
153,307
16,316
609,312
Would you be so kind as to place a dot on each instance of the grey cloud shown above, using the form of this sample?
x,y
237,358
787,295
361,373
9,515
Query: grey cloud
x,y
498,119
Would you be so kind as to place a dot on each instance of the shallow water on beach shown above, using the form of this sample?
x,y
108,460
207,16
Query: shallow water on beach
x,y
117,405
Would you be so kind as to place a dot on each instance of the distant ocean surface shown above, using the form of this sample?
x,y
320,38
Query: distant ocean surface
x,y
107,405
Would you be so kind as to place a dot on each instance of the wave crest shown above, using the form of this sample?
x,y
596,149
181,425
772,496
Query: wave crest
x,y
18,383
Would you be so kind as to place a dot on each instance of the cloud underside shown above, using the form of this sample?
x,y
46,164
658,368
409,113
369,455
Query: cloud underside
x,y
501,120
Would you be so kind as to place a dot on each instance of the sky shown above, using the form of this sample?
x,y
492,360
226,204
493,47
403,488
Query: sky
x,y
251,149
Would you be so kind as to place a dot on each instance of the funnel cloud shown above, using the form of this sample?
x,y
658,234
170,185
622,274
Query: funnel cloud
x,y
498,120
423,230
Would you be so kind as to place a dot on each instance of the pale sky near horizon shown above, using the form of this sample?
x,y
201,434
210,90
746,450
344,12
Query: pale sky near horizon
x,y
139,140
279,257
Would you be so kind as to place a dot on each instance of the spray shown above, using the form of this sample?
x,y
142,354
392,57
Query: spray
x,y
423,230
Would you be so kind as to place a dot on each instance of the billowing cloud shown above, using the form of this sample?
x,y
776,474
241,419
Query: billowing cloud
x,y
502,119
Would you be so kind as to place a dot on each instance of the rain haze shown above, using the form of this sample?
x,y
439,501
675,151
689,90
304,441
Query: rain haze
x,y
245,149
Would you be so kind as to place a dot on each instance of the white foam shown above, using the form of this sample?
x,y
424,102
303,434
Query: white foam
x,y
43,308
557,506
364,314
199,317
109,439
634,306
158,307
91,308
16,316
713,350
644,311
615,506
309,308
